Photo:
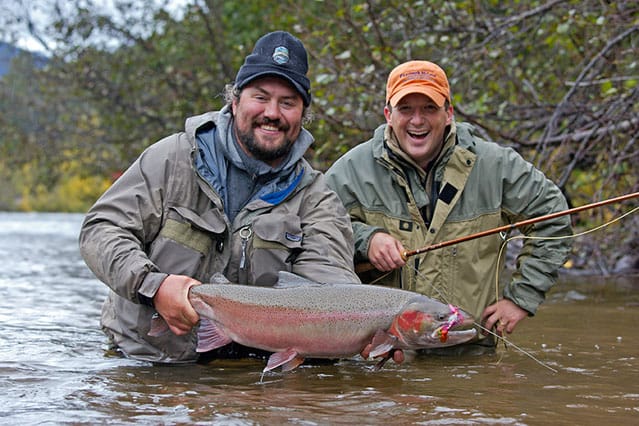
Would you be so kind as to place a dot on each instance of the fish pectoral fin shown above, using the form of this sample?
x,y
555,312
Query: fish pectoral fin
x,y
210,336
382,343
159,327
288,359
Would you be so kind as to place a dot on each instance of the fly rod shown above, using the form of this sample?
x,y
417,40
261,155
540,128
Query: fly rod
x,y
408,253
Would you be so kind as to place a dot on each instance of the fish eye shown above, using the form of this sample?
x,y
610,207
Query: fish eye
x,y
442,316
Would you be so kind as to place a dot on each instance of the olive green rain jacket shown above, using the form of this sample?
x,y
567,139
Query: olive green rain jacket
x,y
474,186
161,217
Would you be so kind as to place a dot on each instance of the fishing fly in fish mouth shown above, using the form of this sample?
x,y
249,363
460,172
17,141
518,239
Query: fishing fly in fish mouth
x,y
455,318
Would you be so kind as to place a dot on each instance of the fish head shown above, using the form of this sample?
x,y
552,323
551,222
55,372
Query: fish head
x,y
427,323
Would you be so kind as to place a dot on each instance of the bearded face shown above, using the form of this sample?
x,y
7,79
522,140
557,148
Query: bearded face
x,y
268,118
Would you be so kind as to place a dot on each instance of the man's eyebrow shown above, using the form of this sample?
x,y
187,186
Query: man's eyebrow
x,y
293,95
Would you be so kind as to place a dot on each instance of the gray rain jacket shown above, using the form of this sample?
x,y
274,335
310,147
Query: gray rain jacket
x,y
162,217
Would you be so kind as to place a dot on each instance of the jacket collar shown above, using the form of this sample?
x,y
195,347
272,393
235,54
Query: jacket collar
x,y
223,120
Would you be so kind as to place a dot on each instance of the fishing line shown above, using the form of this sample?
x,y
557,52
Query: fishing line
x,y
525,237
497,276
478,325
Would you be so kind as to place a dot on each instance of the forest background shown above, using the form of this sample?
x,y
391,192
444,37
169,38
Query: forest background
x,y
557,80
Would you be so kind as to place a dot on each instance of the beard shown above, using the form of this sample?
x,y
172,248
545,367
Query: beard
x,y
258,152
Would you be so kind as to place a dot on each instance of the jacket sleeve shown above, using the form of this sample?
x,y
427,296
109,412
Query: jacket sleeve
x,y
527,194
123,223
344,178
328,237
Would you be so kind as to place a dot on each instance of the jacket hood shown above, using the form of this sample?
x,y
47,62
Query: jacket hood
x,y
223,120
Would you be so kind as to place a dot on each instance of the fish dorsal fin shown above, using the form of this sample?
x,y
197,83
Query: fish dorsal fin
x,y
288,280
219,278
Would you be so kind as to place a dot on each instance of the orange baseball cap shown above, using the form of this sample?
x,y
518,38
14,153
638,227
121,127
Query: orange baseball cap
x,y
422,77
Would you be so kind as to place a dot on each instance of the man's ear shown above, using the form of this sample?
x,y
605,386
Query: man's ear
x,y
387,114
450,113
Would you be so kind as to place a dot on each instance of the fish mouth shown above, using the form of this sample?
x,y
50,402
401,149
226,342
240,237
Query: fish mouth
x,y
457,329
439,339
457,337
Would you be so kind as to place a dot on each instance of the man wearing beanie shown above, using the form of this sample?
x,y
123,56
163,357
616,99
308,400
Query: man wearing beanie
x,y
231,194
424,178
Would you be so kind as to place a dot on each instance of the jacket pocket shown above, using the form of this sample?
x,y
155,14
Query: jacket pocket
x,y
185,240
276,243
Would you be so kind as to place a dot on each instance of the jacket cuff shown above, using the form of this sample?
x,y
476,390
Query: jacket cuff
x,y
149,287
526,297
363,234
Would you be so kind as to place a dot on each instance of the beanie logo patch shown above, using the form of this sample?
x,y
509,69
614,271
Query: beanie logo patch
x,y
280,55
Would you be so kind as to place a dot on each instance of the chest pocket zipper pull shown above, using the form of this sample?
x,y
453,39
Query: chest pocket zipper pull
x,y
245,234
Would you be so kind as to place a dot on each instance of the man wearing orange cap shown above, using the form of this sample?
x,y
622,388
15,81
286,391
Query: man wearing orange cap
x,y
423,179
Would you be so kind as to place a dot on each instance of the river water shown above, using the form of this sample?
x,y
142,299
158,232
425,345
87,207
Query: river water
x,y
55,367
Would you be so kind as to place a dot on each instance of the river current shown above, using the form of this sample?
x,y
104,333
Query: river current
x,y
55,367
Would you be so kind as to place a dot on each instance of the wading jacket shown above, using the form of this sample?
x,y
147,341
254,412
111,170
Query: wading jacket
x,y
162,217
474,186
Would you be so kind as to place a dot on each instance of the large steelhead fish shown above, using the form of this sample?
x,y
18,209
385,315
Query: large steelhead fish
x,y
298,319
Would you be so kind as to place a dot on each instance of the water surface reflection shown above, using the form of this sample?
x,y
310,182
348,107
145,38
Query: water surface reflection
x,y
54,368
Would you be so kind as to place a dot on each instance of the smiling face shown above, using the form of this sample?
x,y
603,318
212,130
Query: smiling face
x,y
419,124
268,118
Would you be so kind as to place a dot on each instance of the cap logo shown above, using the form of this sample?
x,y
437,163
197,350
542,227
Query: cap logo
x,y
280,55
416,75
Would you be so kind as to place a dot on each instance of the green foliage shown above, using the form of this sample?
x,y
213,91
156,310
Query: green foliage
x,y
557,80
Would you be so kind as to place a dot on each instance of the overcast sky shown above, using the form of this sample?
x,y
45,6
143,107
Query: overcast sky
x,y
41,13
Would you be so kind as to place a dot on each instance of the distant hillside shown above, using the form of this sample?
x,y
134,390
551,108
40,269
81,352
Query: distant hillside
x,y
8,51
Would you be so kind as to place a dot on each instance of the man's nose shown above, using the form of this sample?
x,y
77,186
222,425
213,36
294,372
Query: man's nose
x,y
272,110
418,116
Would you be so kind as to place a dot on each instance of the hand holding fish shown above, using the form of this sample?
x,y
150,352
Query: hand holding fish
x,y
396,354
503,315
172,303
385,252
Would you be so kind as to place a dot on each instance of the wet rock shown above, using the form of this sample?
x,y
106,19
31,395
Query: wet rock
x,y
627,263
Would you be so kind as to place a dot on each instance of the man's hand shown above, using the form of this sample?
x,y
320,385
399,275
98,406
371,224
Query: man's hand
x,y
385,252
504,315
172,303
